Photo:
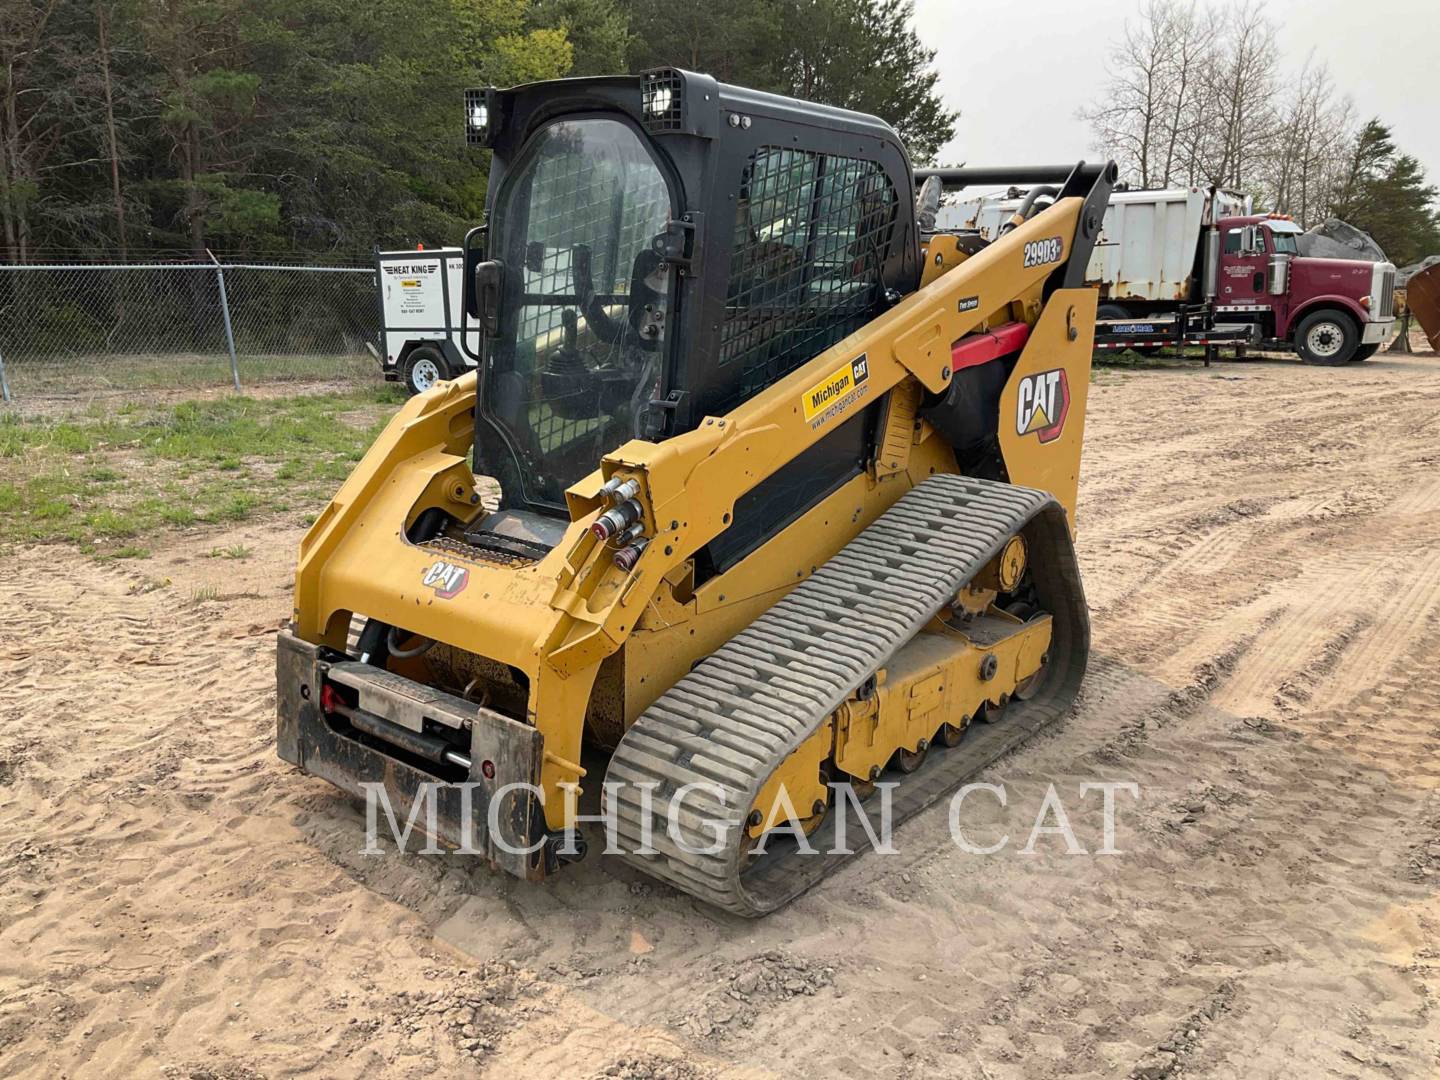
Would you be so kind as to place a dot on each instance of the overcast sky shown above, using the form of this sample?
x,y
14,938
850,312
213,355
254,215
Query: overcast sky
x,y
1018,71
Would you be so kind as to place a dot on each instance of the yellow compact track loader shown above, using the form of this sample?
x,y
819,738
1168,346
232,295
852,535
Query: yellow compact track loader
x,y
786,495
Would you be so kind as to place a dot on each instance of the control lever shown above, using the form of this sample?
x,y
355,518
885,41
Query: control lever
x,y
642,328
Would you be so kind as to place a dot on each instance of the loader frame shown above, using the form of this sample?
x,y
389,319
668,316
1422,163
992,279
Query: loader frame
x,y
554,620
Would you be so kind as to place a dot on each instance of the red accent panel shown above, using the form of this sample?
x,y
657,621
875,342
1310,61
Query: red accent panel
x,y
975,349
1052,433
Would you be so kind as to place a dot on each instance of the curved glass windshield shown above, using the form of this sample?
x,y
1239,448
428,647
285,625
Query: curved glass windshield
x,y
1285,243
582,336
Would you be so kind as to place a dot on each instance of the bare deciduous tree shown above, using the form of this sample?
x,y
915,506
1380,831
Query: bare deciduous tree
x,y
1240,89
27,132
1191,51
1130,120
1196,97
1307,156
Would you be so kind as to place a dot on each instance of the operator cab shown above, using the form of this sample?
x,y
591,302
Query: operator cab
x,y
659,248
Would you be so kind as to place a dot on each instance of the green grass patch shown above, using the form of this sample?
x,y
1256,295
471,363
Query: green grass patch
x,y
104,476
1130,360
204,594
234,551
84,373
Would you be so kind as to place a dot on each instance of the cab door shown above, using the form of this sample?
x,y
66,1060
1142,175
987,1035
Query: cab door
x,y
1244,268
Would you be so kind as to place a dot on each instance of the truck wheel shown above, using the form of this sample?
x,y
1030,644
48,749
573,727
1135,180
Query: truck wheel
x,y
425,367
1327,337
1364,352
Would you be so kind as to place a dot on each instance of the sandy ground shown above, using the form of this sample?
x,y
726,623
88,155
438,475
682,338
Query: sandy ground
x,y
1260,547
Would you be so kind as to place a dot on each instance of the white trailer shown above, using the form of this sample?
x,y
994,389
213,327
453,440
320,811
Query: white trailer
x,y
421,293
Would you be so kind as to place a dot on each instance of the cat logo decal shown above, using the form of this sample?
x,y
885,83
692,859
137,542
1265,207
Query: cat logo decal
x,y
1042,404
447,579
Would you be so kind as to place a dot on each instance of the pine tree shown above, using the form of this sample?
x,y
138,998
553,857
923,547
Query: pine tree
x,y
331,125
857,54
1385,194
864,55
598,32
737,42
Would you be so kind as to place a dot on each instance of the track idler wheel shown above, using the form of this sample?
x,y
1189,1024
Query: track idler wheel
x,y
863,789
1029,687
907,761
990,713
951,735
819,812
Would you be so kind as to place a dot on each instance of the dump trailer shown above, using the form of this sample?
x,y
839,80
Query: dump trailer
x,y
787,485
1196,267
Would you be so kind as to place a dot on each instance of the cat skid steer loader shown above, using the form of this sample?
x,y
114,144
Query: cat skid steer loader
x,y
786,487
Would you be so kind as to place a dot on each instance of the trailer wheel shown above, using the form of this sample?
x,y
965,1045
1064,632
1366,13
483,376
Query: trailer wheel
x,y
1364,352
1327,337
425,367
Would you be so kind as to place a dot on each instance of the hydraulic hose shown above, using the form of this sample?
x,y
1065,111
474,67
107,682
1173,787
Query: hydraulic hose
x,y
406,654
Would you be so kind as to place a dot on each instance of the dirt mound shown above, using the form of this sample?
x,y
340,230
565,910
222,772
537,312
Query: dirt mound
x,y
1336,239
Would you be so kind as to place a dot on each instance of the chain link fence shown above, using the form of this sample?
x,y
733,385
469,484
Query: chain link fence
x,y
75,329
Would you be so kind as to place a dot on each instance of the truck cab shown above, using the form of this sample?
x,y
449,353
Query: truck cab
x,y
1188,267
1330,310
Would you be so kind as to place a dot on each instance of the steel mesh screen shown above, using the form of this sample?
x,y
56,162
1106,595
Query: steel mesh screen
x,y
576,200
811,240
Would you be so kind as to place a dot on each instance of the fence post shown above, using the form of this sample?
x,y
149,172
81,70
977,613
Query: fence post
x,y
4,383
225,311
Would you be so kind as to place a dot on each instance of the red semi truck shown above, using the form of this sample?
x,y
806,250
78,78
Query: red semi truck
x,y
1191,266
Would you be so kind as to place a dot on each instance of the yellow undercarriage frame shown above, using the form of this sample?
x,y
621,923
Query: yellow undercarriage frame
x,y
593,638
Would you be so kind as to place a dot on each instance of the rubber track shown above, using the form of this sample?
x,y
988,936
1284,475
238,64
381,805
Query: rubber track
x,y
739,714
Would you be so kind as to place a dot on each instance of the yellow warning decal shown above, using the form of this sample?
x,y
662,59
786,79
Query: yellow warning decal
x,y
836,392
410,284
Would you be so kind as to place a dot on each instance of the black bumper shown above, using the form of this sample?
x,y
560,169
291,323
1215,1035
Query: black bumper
x,y
502,753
